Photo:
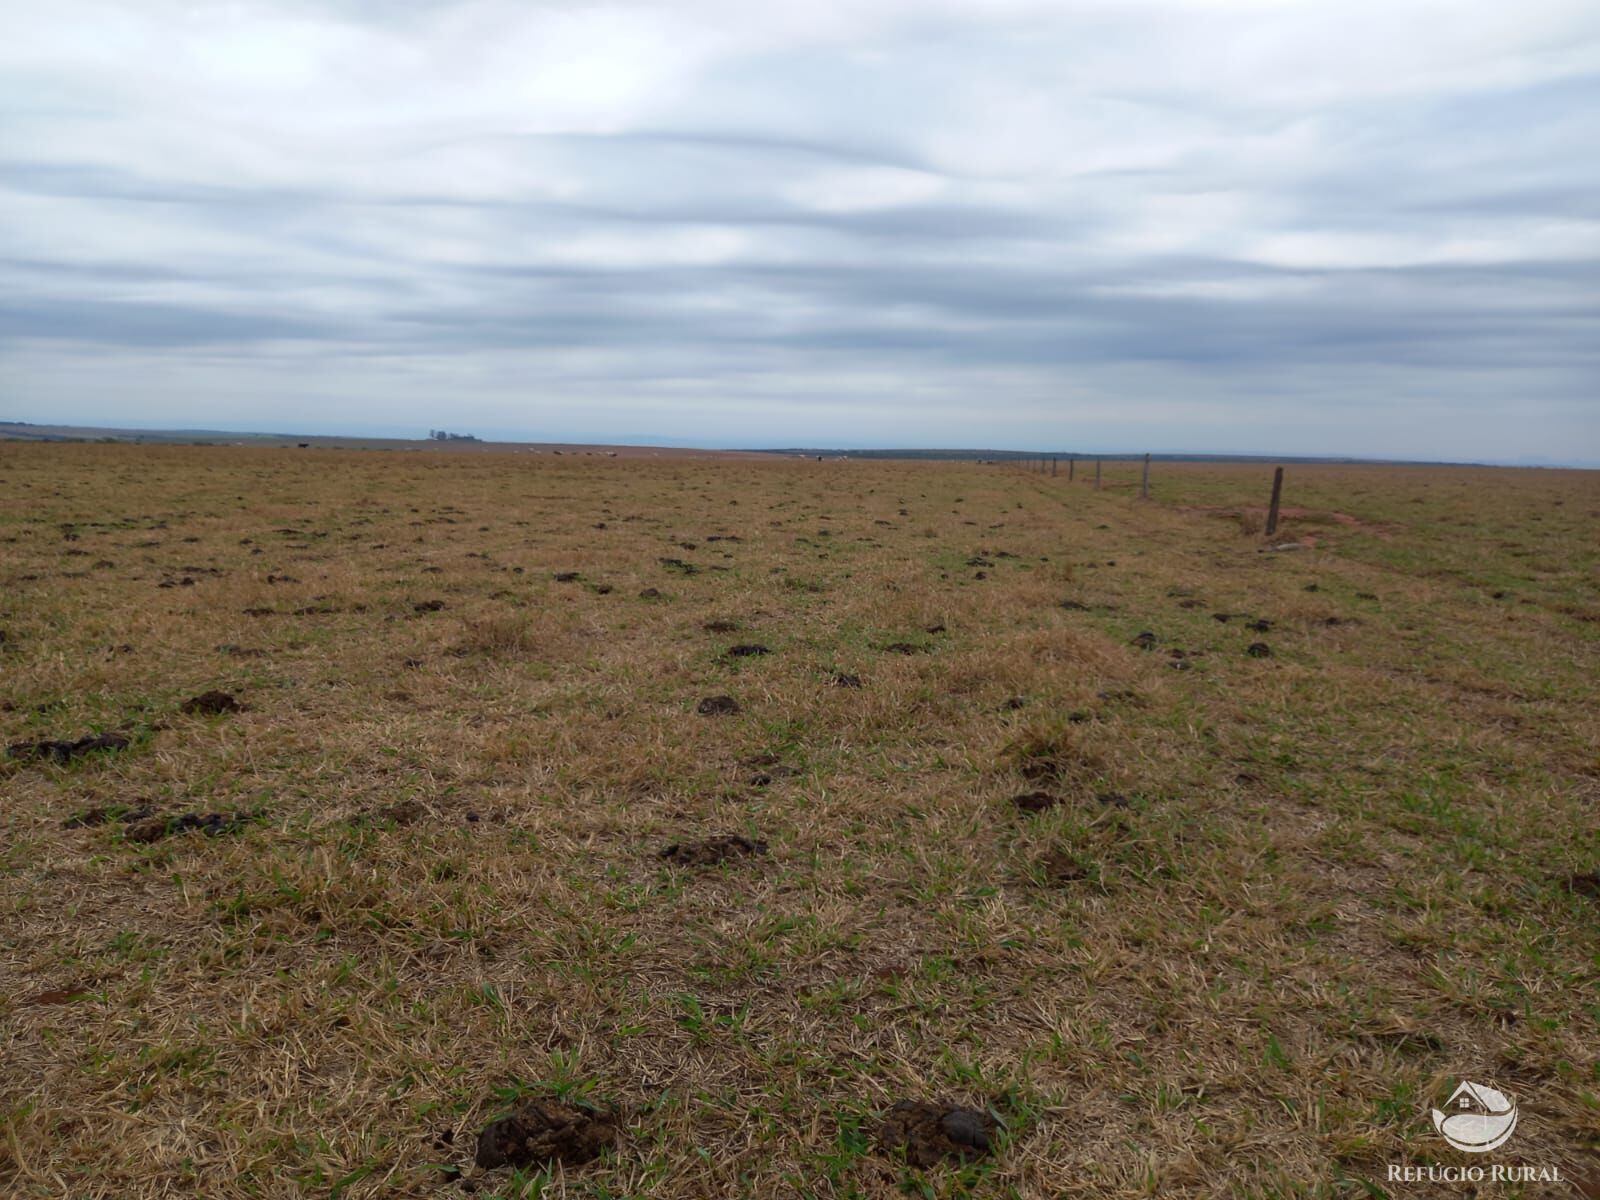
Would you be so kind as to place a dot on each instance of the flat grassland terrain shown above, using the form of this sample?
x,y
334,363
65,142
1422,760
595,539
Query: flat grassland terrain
x,y
1254,909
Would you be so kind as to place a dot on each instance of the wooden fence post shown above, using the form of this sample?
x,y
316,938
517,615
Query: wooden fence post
x,y
1072,466
1272,510
1054,464
1144,483
1097,474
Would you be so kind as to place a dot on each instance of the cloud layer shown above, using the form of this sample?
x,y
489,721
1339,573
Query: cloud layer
x,y
1367,227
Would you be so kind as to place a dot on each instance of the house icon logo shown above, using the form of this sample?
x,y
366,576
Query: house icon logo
x,y
1476,1118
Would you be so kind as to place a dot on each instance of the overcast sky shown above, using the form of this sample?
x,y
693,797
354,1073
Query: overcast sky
x,y
1362,226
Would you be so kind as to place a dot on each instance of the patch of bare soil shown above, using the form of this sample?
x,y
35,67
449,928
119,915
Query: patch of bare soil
x,y
927,1132
711,851
718,706
539,1133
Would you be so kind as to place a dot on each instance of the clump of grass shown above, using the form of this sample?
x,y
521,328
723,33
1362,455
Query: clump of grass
x,y
1053,755
500,635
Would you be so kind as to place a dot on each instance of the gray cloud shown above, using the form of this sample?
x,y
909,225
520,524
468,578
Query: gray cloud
x,y
1175,225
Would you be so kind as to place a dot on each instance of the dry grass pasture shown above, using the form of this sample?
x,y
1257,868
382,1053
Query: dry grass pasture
x,y
1254,910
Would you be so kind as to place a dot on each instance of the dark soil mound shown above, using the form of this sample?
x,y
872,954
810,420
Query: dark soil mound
x,y
720,626
153,829
1258,650
927,1132
211,704
1584,884
542,1132
427,606
64,752
747,650
718,706
102,814
844,680
712,850
777,771
1059,867
1035,802
401,813
66,995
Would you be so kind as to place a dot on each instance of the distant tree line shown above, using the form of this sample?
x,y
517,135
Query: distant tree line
x,y
439,435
